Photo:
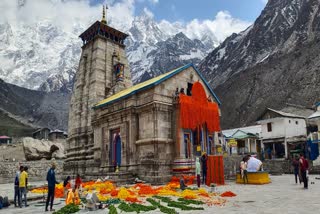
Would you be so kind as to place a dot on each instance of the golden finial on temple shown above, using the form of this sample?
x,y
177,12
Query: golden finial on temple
x,y
104,20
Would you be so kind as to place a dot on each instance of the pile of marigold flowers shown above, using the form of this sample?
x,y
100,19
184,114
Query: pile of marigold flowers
x,y
139,193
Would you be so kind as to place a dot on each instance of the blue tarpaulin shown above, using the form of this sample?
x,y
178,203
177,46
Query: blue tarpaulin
x,y
314,150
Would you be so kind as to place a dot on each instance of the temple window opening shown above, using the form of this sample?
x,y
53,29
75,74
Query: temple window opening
x,y
189,89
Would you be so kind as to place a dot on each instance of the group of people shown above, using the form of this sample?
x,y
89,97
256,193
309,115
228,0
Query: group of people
x,y
300,169
249,164
20,186
201,166
71,195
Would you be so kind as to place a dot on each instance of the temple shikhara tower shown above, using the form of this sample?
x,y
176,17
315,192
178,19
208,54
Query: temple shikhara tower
x,y
150,130
103,71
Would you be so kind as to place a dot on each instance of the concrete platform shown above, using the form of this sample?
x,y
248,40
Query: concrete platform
x,y
255,178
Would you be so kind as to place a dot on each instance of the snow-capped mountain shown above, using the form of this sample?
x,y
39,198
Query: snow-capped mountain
x,y
273,62
280,27
32,54
42,55
152,50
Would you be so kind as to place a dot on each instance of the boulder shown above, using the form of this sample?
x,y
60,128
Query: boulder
x,y
42,149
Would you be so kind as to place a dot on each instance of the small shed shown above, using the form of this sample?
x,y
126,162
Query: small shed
x,y
42,133
56,134
5,140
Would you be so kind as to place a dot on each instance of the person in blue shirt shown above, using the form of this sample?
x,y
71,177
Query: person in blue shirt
x,y
16,187
51,178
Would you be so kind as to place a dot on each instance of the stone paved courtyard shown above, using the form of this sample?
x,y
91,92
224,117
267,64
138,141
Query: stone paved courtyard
x,y
281,196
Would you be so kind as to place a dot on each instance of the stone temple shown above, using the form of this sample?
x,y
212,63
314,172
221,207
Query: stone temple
x,y
151,130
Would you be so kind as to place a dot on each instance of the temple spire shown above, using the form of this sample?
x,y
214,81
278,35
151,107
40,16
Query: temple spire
x,y
104,19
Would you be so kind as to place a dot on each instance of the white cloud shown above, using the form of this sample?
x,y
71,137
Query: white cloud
x,y
154,1
264,1
67,14
148,12
222,26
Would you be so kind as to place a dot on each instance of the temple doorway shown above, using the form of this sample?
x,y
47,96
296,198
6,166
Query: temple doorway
x,y
115,148
187,144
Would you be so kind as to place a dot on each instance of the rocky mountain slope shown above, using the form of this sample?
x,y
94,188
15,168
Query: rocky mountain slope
x,y
30,109
10,126
273,62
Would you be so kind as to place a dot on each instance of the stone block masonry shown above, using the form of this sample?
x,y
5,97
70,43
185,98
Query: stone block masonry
x,y
37,170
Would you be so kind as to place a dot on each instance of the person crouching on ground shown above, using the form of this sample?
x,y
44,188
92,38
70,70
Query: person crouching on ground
x,y
51,178
73,197
183,186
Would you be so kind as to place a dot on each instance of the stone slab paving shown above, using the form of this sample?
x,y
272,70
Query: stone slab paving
x,y
281,196
8,190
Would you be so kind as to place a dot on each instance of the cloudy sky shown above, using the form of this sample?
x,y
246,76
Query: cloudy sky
x,y
221,17
187,10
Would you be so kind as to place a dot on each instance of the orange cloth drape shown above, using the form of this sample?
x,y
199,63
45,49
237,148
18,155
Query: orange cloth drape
x,y
215,173
196,110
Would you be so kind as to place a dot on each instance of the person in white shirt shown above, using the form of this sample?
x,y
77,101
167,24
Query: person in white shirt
x,y
254,164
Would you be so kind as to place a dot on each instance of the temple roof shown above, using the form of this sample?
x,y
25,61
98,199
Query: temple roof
x,y
151,83
104,30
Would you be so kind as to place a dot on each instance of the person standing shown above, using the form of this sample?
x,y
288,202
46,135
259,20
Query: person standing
x,y
198,171
51,178
23,183
16,188
78,182
66,186
204,159
304,166
295,164
243,170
